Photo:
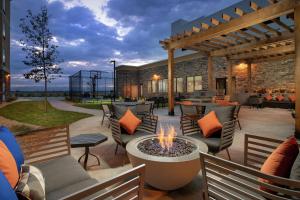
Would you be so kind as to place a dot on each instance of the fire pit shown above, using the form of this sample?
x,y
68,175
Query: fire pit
x,y
171,161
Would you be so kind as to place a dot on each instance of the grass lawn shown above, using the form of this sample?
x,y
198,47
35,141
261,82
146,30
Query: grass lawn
x,y
93,104
32,112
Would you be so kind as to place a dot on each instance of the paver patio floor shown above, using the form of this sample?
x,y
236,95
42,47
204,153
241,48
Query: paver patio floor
x,y
268,122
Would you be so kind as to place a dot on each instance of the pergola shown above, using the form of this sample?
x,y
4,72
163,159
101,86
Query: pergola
x,y
251,34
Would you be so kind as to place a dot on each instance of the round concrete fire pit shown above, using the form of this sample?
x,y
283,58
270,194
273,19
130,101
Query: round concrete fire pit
x,y
167,172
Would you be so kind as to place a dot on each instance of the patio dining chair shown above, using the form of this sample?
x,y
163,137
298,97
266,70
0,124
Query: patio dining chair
x,y
217,142
106,114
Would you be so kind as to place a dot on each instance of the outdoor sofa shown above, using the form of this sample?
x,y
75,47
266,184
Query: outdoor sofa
x,y
49,150
228,180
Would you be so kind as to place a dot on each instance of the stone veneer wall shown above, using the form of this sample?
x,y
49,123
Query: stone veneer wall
x,y
271,75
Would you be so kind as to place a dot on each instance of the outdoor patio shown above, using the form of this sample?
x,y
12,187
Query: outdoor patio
x,y
267,122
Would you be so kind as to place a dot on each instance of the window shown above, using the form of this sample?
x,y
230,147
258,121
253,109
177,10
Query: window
x,y
149,86
179,85
198,82
190,84
154,86
163,85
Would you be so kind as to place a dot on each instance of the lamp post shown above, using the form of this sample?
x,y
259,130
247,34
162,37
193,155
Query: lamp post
x,y
114,62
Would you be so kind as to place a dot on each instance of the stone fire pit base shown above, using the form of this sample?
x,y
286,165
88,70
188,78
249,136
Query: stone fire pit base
x,y
167,173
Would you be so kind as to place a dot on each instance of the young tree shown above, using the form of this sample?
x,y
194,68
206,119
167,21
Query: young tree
x,y
41,54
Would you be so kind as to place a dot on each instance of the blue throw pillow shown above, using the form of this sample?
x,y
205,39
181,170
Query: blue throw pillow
x,y
6,191
10,141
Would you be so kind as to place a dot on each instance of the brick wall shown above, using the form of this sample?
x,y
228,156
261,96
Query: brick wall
x,y
272,75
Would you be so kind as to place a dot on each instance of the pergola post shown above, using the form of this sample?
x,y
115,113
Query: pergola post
x,y
297,70
210,73
171,81
229,78
249,76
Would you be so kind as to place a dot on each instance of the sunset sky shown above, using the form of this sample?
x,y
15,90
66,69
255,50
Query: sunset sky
x,y
91,32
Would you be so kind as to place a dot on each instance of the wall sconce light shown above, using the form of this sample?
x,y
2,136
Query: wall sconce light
x,y
242,66
155,77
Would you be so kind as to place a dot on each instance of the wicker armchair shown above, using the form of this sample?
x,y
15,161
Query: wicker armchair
x,y
216,143
227,180
148,126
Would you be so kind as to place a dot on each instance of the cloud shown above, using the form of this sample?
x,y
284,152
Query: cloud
x,y
90,33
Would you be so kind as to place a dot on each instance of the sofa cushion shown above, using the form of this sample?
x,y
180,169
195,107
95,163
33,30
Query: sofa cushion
x,y
8,165
281,160
126,138
224,113
129,122
10,141
70,189
120,110
209,124
61,172
213,143
31,184
6,191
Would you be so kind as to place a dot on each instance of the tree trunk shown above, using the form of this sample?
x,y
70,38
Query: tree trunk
x,y
46,95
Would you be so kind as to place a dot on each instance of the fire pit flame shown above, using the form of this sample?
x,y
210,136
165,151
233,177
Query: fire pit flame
x,y
166,140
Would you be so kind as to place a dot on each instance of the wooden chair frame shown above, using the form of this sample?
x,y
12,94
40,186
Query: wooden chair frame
x,y
106,113
50,143
226,174
227,180
227,134
149,125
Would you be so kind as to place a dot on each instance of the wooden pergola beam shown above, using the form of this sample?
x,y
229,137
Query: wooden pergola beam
x,y
283,25
267,52
268,13
297,69
238,48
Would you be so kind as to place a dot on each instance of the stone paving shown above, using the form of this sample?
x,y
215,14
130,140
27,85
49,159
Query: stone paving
x,y
276,123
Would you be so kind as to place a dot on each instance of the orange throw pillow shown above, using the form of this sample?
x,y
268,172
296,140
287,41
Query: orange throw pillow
x,y
129,122
209,124
292,98
280,161
280,98
8,165
268,97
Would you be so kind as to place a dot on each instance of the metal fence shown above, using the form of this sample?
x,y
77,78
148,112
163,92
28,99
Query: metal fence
x,y
90,85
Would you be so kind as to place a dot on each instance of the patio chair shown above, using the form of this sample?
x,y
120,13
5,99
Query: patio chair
x,y
49,150
106,113
236,115
228,180
216,143
143,109
147,127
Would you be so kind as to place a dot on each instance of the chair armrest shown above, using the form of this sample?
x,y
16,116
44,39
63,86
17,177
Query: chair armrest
x,y
149,124
44,144
128,185
224,179
116,130
257,149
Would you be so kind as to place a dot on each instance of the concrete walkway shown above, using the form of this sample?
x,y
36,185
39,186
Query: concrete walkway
x,y
67,106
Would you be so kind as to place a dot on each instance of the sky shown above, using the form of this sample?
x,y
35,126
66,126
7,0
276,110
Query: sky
x,y
90,33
